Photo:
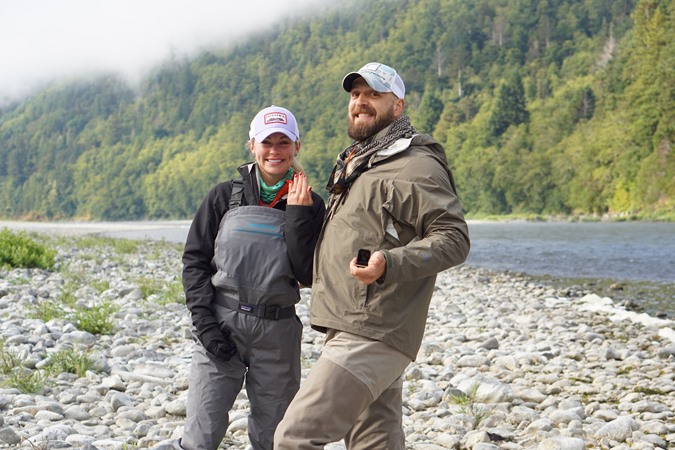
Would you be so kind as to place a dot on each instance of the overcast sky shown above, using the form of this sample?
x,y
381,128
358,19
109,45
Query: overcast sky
x,y
45,39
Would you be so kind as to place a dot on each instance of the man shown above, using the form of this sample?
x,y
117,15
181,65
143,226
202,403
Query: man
x,y
392,193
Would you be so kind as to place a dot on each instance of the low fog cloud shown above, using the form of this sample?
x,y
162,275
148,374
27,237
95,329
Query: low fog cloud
x,y
43,40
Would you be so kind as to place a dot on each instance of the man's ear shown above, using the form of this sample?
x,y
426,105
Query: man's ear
x,y
399,105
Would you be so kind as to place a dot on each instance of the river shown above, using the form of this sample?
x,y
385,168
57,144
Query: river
x,y
631,262
621,260
631,251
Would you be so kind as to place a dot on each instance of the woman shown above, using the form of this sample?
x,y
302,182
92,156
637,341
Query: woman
x,y
249,248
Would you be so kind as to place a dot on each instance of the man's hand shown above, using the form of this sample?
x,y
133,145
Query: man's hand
x,y
376,268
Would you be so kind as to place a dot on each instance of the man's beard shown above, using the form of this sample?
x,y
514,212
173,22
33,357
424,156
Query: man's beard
x,y
362,131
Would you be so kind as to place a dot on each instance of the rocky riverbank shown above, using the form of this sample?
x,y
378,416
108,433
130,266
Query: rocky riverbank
x,y
507,363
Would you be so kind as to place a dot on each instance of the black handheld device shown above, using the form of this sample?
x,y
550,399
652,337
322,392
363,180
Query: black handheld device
x,y
362,257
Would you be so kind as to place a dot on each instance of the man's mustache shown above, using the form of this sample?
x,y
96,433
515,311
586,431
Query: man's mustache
x,y
363,110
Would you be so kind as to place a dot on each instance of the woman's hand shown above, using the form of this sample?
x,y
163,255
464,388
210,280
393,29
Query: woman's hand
x,y
299,192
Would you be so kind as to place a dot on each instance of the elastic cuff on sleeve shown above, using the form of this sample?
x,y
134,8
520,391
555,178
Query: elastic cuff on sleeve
x,y
387,258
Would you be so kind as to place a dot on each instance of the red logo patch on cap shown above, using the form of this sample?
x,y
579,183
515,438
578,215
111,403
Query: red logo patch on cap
x,y
275,117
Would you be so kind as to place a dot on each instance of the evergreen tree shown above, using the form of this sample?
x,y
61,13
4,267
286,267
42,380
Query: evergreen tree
x,y
509,105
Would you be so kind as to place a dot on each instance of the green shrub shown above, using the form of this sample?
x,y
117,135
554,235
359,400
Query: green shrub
x,y
96,319
26,381
69,360
149,286
18,376
17,249
8,359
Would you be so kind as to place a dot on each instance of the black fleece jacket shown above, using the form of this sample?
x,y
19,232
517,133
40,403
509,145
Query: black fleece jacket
x,y
303,224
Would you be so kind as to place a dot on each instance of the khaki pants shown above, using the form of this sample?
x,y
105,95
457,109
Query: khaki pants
x,y
353,392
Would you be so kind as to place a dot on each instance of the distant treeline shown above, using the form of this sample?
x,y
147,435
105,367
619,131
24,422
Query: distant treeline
x,y
545,107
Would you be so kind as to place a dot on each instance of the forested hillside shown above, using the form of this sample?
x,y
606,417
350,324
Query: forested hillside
x,y
547,107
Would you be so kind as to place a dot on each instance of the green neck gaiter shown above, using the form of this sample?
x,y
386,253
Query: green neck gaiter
x,y
267,193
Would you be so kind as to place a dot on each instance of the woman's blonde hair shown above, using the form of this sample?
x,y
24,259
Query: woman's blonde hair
x,y
297,167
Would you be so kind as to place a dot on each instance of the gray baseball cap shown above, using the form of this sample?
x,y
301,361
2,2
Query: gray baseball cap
x,y
380,77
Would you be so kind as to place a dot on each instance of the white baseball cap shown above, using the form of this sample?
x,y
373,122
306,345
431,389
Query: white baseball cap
x,y
274,119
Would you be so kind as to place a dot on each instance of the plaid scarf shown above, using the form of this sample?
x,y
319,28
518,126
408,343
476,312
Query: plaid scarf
x,y
358,157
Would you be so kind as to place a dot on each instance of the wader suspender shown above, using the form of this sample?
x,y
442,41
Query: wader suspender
x,y
237,193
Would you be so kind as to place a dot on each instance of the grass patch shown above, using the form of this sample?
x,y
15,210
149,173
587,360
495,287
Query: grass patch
x,y
19,250
16,375
648,391
125,246
625,370
73,279
100,285
67,295
96,319
26,381
172,293
57,308
121,246
166,292
69,360
47,309
8,360
469,405
86,242
149,286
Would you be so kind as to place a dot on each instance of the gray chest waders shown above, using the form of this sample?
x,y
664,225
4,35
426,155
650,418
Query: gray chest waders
x,y
253,278
254,273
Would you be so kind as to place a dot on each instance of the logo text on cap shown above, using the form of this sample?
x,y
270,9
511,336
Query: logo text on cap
x,y
275,117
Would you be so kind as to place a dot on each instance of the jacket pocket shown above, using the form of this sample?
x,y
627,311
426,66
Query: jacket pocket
x,y
363,294
369,294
